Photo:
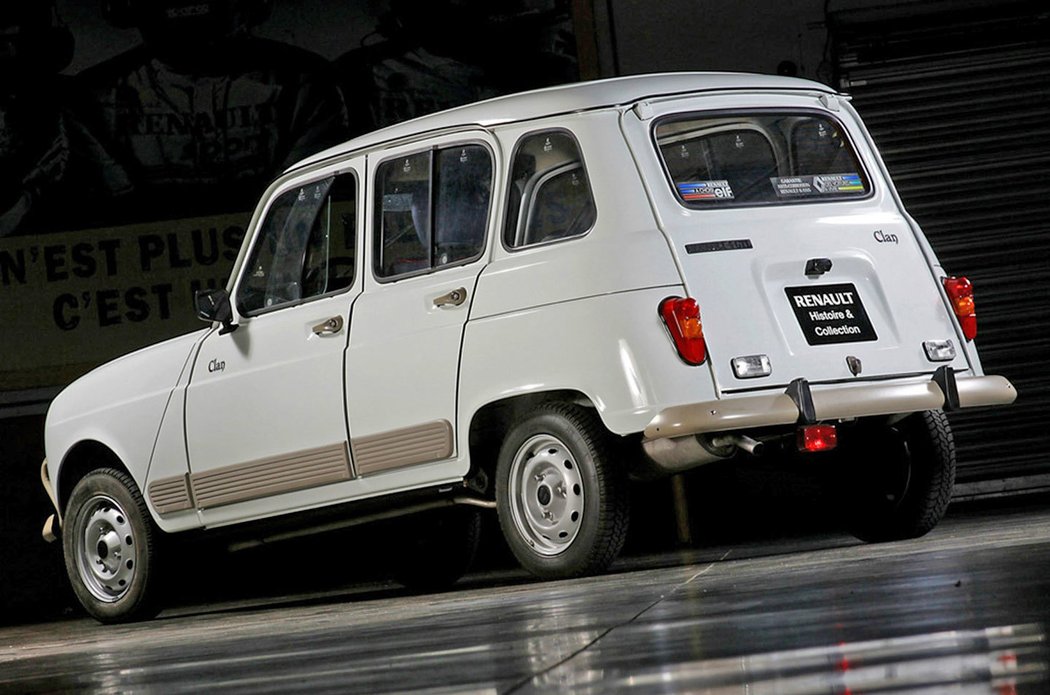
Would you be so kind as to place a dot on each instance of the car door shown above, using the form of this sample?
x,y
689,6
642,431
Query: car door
x,y
432,207
265,419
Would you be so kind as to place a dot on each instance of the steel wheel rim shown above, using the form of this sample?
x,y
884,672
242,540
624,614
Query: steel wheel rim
x,y
546,494
105,552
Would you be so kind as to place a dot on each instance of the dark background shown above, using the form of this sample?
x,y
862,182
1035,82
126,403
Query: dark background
x,y
132,116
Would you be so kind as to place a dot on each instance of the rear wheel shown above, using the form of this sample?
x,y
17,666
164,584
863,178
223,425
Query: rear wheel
x,y
561,492
109,546
902,478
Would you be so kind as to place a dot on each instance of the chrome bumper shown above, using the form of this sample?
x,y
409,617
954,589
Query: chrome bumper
x,y
843,402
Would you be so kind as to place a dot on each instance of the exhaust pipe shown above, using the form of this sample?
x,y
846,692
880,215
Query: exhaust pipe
x,y
738,441
674,455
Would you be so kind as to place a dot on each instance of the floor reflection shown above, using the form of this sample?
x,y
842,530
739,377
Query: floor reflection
x,y
997,660
963,610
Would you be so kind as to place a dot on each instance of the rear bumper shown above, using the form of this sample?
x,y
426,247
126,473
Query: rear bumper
x,y
842,402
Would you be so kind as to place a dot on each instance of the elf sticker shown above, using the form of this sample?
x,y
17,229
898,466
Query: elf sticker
x,y
705,190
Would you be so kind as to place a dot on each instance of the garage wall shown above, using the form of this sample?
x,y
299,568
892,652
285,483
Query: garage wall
x,y
957,95
748,36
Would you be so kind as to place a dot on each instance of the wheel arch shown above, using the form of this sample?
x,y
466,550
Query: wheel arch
x,y
491,421
83,457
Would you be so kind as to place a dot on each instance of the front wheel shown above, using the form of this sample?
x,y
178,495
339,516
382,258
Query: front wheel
x,y
903,476
109,541
561,492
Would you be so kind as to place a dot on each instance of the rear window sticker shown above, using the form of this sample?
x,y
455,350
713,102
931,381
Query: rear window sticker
x,y
705,190
838,183
822,184
791,186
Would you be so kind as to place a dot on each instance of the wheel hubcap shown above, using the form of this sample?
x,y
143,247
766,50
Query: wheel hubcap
x,y
105,554
547,495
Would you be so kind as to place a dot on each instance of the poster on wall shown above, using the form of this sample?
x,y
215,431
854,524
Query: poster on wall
x,y
137,135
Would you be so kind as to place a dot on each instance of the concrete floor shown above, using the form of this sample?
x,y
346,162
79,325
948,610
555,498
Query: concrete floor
x,y
964,610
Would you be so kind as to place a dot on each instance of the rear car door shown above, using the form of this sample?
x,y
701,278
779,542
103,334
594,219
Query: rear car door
x,y
431,209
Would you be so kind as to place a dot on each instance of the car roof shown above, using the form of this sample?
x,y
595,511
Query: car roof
x,y
568,98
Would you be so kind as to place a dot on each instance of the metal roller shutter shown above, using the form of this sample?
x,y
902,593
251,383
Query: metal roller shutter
x,y
957,96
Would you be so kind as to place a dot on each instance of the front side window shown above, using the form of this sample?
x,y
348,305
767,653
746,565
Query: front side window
x,y
550,197
432,209
725,160
305,246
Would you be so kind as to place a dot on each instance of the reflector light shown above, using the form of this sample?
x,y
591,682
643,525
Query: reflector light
x,y
751,366
814,438
960,294
939,350
682,318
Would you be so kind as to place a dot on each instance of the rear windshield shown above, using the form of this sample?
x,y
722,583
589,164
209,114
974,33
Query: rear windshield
x,y
755,159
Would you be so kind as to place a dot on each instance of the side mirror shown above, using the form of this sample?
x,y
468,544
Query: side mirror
x,y
214,305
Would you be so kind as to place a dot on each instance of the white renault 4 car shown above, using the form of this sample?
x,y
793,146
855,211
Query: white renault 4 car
x,y
521,304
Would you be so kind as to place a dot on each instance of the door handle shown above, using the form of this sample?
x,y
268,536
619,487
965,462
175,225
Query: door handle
x,y
329,327
453,298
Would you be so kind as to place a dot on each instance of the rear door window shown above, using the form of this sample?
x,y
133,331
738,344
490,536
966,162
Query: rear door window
x,y
432,209
755,159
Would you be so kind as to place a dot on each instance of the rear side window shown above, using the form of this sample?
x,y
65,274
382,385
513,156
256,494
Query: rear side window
x,y
550,197
432,209
724,160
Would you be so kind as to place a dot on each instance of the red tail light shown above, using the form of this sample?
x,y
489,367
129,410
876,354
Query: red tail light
x,y
960,293
814,438
682,316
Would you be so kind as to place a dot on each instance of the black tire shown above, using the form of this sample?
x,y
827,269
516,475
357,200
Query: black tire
x,y
903,478
109,543
560,462
436,548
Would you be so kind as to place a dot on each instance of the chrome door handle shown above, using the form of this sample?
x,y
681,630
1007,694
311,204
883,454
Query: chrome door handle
x,y
329,327
453,298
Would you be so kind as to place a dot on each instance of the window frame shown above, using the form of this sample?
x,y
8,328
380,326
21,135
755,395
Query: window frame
x,y
778,151
535,184
376,203
264,218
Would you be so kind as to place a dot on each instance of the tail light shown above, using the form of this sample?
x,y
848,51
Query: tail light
x,y
682,316
814,438
960,293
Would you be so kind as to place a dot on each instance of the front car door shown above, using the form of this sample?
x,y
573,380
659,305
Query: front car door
x,y
265,418
431,209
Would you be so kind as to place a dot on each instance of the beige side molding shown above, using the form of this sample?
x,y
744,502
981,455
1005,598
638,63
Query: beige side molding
x,y
271,476
170,495
431,441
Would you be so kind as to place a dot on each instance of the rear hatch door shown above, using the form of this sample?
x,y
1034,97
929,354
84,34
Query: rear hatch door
x,y
790,240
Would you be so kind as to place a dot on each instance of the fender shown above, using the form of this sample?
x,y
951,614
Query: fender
x,y
119,405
